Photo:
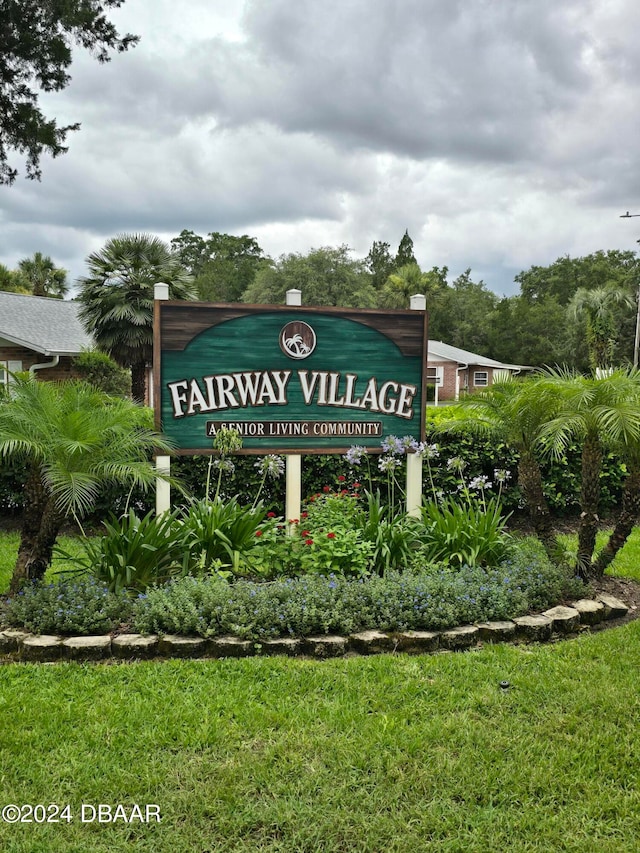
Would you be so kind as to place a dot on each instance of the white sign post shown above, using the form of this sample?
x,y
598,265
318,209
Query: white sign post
x,y
414,461
163,463
293,499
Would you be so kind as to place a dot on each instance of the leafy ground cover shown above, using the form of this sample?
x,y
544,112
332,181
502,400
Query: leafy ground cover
x,y
365,754
422,596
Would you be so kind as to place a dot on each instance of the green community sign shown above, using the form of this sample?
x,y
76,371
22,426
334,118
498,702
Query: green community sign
x,y
289,379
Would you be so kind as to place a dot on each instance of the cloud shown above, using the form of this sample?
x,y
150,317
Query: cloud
x,y
500,134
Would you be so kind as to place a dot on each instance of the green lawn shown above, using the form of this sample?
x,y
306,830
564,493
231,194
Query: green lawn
x,y
359,755
362,754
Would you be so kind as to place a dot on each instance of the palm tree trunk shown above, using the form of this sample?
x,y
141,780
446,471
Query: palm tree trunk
x,y
628,517
139,381
40,528
590,503
35,501
530,480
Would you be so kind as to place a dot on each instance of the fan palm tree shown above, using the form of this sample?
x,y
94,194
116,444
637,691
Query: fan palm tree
x,y
596,307
516,412
599,412
71,439
42,277
404,283
117,299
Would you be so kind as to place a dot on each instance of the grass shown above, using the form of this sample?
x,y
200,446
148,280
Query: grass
x,y
627,561
357,755
9,541
363,754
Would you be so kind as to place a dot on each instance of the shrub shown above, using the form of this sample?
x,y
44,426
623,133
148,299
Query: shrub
x,y
307,549
544,583
431,597
79,607
101,371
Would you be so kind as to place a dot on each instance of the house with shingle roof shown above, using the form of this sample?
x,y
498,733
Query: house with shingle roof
x,y
39,334
454,371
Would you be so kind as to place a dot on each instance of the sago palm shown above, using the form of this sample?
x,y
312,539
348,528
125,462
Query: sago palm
x,y
117,299
72,439
597,412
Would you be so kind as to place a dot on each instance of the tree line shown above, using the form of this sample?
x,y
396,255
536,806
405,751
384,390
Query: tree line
x,y
576,312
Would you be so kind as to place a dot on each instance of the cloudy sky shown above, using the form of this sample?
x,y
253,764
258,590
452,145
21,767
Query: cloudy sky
x,y
501,133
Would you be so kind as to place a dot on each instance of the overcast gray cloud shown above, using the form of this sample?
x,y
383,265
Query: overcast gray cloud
x,y
501,133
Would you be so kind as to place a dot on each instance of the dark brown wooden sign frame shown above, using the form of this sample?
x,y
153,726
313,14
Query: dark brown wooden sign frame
x,y
395,336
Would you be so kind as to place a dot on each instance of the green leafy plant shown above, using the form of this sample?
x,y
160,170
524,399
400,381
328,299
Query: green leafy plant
x,y
393,538
464,533
134,552
221,533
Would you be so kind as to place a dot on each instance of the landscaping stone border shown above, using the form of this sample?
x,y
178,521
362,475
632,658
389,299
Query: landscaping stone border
x,y
557,623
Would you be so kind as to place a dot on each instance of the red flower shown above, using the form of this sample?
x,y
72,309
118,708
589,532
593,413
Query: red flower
x,y
356,485
344,492
271,515
326,488
331,535
294,521
341,478
305,533
308,541
304,514
259,532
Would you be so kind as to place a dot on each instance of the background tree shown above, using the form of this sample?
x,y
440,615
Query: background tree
x,y
12,281
379,263
117,299
561,279
36,38
72,439
462,312
405,255
326,276
223,266
596,307
42,277
532,333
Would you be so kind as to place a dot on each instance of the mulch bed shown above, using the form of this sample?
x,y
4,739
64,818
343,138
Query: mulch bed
x,y
627,590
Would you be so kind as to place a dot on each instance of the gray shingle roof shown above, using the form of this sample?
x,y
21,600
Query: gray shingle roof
x,y
48,326
440,350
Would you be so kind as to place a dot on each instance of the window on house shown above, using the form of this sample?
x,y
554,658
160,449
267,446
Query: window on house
x,y
480,378
6,369
435,375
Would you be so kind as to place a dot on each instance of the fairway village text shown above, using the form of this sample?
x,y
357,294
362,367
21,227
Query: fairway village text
x,y
224,391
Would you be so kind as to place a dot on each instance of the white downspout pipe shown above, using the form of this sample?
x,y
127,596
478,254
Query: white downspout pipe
x,y
44,364
458,369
